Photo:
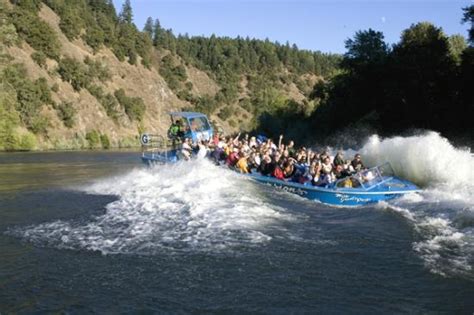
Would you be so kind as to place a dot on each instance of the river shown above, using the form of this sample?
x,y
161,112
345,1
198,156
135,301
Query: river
x,y
97,232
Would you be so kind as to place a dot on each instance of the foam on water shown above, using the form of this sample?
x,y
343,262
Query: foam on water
x,y
443,214
187,206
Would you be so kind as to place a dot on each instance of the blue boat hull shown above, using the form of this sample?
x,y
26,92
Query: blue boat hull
x,y
348,197
388,188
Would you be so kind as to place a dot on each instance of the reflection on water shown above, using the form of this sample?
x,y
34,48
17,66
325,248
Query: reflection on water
x,y
19,171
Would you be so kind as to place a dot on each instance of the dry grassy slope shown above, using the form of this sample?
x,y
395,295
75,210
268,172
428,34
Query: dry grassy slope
x,y
135,80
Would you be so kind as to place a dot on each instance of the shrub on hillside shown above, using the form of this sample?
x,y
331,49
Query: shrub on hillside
x,y
93,139
134,106
97,69
108,101
30,97
66,113
40,58
225,113
37,33
104,140
73,72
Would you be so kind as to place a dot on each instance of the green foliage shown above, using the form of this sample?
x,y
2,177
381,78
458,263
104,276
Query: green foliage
x,y
468,17
366,49
148,28
225,113
73,72
37,33
66,113
25,142
93,139
8,34
126,15
30,97
97,70
71,23
104,140
9,118
44,91
422,83
96,140
206,104
80,75
457,45
232,123
32,6
94,37
134,106
173,74
40,58
108,101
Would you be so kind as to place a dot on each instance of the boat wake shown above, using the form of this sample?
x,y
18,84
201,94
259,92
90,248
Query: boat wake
x,y
182,207
443,214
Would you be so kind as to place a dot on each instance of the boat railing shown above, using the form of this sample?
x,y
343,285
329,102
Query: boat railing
x,y
154,145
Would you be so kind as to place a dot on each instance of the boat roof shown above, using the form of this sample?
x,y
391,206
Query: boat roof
x,y
187,114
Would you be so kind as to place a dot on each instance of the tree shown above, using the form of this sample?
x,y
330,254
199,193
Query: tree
x,y
424,69
457,44
148,28
469,18
126,15
367,48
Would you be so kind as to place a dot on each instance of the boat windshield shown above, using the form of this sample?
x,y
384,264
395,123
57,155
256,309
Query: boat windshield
x,y
199,123
368,178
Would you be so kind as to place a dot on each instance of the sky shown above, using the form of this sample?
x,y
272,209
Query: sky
x,y
321,25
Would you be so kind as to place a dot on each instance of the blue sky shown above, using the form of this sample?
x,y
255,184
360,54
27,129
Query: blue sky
x,y
311,24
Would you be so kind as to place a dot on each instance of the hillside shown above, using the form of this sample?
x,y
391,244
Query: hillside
x,y
78,75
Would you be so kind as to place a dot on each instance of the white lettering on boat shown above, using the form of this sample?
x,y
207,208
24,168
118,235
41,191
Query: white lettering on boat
x,y
344,198
290,189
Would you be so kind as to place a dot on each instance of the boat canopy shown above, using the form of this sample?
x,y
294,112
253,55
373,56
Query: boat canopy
x,y
187,115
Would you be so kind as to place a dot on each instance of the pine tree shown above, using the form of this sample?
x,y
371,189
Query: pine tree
x,y
148,28
126,15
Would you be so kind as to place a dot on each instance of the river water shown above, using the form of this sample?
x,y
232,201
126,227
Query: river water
x,y
84,232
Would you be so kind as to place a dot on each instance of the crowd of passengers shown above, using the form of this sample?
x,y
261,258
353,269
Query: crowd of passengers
x,y
279,160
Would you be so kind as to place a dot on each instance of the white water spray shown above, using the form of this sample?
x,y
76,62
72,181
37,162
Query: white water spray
x,y
187,206
443,215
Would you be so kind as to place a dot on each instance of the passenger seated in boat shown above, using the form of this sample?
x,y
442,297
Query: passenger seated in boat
x,y
339,159
357,163
242,165
348,167
288,168
326,167
232,158
340,172
253,161
186,149
323,156
278,172
326,176
267,165
314,172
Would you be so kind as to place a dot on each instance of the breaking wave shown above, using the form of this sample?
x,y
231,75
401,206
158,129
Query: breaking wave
x,y
187,206
443,215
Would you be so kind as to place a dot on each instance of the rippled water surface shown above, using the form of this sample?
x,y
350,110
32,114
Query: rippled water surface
x,y
98,232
